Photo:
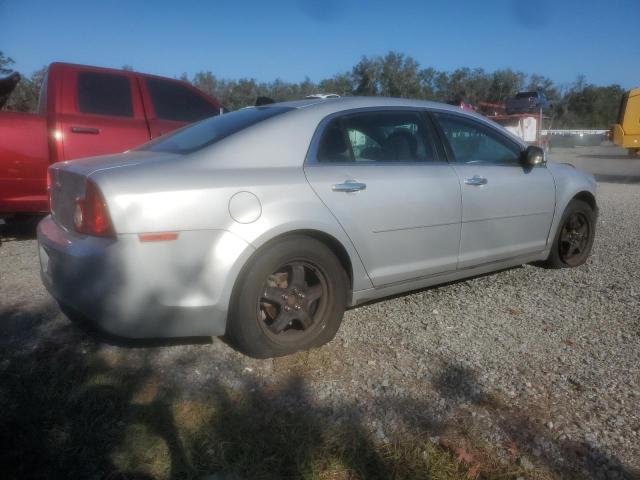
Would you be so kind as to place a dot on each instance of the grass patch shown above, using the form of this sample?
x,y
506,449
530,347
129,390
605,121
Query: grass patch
x,y
67,413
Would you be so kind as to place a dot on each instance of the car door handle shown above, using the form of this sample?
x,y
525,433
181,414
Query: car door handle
x,y
349,187
91,130
476,181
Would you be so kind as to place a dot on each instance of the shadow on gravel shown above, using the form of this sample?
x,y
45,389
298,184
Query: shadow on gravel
x,y
71,408
620,156
18,325
566,458
628,179
20,229
69,412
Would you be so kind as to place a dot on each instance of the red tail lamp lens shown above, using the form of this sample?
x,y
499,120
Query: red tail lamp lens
x,y
91,215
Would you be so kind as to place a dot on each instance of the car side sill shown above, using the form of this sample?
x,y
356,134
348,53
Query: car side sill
x,y
362,296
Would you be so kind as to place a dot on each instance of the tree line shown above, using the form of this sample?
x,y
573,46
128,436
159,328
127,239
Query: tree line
x,y
578,105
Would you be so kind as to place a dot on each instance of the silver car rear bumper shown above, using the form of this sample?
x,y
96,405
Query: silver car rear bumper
x,y
135,289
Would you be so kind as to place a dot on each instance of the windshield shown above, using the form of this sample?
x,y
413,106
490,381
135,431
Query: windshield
x,y
211,130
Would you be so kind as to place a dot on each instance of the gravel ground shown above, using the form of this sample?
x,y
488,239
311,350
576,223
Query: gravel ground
x,y
534,367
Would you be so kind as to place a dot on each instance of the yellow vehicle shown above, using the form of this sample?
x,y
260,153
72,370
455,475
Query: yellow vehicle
x,y
626,132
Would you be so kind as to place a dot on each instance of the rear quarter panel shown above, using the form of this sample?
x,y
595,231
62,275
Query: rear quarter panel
x,y
180,196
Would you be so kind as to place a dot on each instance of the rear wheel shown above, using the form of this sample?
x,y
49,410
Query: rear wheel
x,y
292,297
575,236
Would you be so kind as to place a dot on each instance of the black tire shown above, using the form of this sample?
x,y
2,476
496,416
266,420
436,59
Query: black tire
x,y
274,310
574,238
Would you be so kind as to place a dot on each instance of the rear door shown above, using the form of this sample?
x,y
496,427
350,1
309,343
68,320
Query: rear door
x,y
379,174
507,208
171,104
101,114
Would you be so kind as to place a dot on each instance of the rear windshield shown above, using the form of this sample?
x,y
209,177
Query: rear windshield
x,y
211,130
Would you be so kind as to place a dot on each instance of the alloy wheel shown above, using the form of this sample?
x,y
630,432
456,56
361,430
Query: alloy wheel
x,y
292,301
574,238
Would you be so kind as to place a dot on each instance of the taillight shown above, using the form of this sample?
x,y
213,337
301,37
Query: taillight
x,y
49,183
91,215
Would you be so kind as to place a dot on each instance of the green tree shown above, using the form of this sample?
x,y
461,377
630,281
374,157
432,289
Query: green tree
x,y
589,106
26,94
5,63
504,84
341,84
545,85
399,76
365,75
394,74
426,79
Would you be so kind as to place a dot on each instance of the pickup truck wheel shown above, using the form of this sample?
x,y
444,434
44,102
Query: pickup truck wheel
x,y
292,297
21,225
574,238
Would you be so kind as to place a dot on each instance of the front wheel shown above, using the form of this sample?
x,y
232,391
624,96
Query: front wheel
x,y
574,239
290,298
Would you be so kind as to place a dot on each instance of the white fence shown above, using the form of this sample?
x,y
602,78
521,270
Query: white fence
x,y
573,132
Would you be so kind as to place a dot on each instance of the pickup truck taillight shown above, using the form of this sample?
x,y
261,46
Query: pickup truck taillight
x,y
49,182
90,215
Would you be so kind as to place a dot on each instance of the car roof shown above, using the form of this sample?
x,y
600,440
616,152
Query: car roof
x,y
346,103
321,107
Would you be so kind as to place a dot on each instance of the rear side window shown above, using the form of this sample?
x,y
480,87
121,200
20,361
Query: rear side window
x,y
104,94
211,130
172,101
472,142
376,137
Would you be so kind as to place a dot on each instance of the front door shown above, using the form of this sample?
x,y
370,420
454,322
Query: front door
x,y
507,208
379,175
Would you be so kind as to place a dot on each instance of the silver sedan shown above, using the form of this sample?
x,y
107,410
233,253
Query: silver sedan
x,y
264,224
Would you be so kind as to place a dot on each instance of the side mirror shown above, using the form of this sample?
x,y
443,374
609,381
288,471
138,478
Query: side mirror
x,y
533,156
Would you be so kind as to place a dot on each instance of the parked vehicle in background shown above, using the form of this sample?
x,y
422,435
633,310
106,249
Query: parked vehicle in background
x,y
323,96
264,224
527,102
86,111
626,133
460,102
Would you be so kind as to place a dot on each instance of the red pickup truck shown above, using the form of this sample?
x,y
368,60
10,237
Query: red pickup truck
x,y
85,111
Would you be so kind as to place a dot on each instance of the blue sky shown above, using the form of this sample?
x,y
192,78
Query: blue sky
x,y
292,39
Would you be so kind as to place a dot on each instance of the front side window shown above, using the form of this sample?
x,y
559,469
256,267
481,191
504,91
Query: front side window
x,y
376,137
472,142
173,101
104,94
211,130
